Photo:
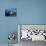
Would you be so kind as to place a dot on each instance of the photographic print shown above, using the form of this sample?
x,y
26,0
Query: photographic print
x,y
10,12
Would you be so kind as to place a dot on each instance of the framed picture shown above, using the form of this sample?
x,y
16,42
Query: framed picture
x,y
11,12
